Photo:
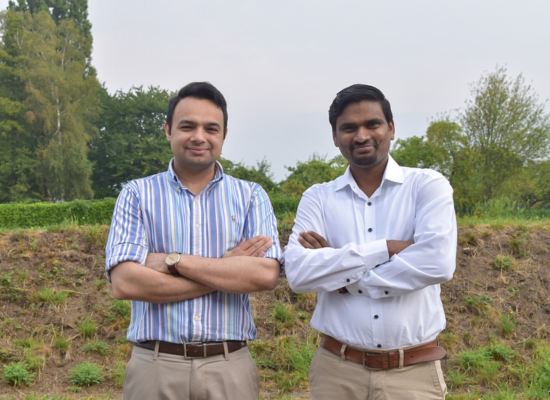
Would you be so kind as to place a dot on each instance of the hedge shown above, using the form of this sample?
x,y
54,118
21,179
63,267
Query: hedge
x,y
82,212
87,212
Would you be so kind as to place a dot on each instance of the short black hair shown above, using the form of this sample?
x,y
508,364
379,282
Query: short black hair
x,y
198,90
354,94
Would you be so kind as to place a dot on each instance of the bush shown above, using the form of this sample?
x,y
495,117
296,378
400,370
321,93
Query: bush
x,y
86,374
16,374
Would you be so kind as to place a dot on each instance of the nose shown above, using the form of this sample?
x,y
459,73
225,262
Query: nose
x,y
362,135
198,135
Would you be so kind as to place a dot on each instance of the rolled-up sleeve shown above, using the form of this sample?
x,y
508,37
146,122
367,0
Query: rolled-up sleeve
x,y
127,239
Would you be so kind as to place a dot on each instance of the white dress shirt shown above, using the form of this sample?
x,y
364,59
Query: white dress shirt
x,y
392,302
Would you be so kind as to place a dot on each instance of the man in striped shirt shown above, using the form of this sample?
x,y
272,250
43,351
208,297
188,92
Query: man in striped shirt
x,y
187,246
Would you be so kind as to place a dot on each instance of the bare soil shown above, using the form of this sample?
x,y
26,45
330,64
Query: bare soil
x,y
72,259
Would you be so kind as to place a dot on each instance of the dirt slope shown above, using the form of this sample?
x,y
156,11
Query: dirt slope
x,y
50,281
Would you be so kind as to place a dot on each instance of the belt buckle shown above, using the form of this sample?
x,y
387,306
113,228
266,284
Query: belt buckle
x,y
365,354
193,344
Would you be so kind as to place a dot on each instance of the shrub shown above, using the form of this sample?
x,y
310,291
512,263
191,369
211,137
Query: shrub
x,y
86,374
503,262
16,374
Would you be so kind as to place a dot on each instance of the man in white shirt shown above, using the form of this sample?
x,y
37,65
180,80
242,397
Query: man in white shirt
x,y
375,244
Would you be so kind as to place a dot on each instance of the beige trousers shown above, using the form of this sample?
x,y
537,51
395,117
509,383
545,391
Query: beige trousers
x,y
170,377
330,377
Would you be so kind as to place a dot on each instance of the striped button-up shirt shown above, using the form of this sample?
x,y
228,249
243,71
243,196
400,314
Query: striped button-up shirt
x,y
158,214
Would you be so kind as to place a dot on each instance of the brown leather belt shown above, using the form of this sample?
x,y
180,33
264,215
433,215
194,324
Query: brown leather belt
x,y
386,360
194,349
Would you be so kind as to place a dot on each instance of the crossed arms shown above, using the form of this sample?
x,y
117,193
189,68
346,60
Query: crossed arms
x,y
241,270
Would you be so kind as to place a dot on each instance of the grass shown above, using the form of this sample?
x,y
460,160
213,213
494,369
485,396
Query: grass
x,y
87,327
504,262
48,295
96,346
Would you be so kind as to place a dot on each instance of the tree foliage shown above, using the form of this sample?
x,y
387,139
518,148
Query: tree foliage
x,y
497,143
131,142
57,101
260,174
316,170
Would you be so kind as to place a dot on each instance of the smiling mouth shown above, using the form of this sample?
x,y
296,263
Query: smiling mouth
x,y
197,151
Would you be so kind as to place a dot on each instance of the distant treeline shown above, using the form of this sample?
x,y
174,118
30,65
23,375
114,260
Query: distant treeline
x,y
64,137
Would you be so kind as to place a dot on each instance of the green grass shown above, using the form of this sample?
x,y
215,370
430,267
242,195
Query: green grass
x,y
504,262
96,346
48,295
17,374
86,327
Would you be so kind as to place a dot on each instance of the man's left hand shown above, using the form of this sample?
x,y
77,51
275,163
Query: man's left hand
x,y
312,240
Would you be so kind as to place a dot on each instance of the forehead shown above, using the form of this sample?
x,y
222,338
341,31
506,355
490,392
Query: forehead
x,y
199,110
361,111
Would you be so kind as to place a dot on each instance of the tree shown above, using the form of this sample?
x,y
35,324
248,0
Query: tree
x,y
505,126
261,173
59,102
131,142
315,170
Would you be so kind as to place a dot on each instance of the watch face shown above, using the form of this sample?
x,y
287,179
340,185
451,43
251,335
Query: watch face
x,y
172,258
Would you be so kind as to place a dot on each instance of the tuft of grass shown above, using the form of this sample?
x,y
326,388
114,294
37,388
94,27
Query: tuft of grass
x,y
61,343
86,327
48,295
86,374
117,373
504,262
478,301
17,374
96,346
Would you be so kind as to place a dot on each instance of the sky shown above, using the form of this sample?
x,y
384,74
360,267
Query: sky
x,y
280,63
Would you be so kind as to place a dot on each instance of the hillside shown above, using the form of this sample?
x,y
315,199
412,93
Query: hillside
x,y
57,312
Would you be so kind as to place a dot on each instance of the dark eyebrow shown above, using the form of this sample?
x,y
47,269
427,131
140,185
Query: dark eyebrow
x,y
347,125
190,122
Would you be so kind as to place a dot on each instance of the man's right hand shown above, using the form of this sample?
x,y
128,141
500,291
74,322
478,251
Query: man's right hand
x,y
397,246
255,247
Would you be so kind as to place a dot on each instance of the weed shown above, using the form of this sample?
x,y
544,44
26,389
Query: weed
x,y
504,262
507,323
517,244
86,374
99,284
95,236
34,361
97,346
86,327
16,374
467,238
283,313
477,301
500,352
80,272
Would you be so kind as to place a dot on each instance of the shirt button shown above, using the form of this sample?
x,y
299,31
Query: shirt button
x,y
197,226
369,204
376,317
379,346
360,291
370,229
196,318
196,199
347,280
386,292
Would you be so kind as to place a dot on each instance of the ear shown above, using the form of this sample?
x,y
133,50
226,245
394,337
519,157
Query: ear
x,y
392,130
167,131
225,133
334,138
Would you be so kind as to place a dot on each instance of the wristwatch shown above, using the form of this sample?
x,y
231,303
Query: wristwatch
x,y
171,261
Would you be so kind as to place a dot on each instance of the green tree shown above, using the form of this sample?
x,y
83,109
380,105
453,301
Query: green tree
x,y
261,173
315,170
60,100
131,142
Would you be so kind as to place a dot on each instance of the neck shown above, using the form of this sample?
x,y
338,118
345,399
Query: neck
x,y
369,179
194,179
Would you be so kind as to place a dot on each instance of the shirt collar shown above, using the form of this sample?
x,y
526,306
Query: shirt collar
x,y
393,172
175,181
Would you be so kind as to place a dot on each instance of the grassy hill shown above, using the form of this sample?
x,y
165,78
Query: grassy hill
x,y
62,333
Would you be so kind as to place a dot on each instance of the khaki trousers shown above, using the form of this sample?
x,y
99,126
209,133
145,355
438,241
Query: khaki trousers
x,y
330,377
162,376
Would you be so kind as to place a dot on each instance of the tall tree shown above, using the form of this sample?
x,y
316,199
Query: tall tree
x,y
60,99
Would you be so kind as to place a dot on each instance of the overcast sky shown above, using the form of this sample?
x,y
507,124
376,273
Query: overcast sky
x,y
280,63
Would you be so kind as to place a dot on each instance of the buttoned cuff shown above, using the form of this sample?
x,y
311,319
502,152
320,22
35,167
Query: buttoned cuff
x,y
374,253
